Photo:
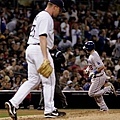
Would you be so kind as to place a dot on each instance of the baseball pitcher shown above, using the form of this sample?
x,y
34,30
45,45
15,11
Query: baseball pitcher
x,y
40,62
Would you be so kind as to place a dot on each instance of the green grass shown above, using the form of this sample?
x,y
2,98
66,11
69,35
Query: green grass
x,y
4,113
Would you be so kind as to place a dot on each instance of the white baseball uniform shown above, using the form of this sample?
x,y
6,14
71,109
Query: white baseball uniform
x,y
95,62
42,24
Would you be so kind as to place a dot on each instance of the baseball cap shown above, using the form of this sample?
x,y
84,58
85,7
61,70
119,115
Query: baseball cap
x,y
69,82
59,3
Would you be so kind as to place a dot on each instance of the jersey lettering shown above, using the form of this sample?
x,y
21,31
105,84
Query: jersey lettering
x,y
98,63
32,32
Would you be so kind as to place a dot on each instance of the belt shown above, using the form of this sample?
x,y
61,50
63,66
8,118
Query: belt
x,y
34,44
99,75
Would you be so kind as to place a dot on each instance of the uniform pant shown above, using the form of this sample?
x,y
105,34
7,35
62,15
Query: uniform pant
x,y
58,94
34,59
96,91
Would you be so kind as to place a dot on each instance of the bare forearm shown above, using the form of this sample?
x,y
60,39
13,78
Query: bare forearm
x,y
43,44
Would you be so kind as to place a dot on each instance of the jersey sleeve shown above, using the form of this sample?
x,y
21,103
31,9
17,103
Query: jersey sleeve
x,y
97,62
43,26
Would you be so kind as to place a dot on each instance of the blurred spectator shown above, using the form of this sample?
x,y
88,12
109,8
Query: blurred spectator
x,y
87,34
77,87
74,80
116,50
118,75
82,82
108,47
67,14
117,67
104,56
75,71
68,53
64,78
72,28
2,22
11,26
82,62
109,64
57,26
75,34
71,61
110,75
86,85
65,28
35,10
69,86
64,44
102,40
94,30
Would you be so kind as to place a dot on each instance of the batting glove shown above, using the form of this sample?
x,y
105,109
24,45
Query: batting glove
x,y
93,74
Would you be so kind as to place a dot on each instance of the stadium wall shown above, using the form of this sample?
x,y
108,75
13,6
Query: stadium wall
x,y
75,99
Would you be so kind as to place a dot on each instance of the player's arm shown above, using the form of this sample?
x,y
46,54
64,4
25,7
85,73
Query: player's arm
x,y
45,69
86,71
98,70
99,65
43,45
43,33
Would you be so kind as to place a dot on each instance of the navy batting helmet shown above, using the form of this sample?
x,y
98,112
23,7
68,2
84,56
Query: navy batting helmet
x,y
89,45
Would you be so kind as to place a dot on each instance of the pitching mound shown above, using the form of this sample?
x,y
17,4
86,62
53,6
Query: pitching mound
x,y
72,114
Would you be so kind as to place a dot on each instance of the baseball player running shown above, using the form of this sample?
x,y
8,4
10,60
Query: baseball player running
x,y
97,76
40,62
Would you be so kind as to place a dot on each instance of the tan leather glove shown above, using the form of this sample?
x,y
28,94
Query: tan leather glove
x,y
45,69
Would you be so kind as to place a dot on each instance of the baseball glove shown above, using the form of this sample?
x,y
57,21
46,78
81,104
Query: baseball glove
x,y
45,69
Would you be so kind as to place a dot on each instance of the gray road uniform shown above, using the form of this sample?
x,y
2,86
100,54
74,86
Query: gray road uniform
x,y
95,62
42,24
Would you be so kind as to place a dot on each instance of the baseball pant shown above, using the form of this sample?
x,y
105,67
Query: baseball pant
x,y
34,59
96,91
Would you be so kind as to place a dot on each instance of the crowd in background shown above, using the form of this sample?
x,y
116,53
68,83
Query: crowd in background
x,y
72,29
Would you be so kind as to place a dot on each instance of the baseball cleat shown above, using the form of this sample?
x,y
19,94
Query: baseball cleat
x,y
104,110
11,110
54,114
50,115
59,113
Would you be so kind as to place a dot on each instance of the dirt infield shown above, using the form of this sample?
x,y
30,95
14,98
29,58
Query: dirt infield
x,y
72,114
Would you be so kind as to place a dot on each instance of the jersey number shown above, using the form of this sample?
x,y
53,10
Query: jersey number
x,y
32,32
90,67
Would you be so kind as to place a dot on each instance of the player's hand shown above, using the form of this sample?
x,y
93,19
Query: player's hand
x,y
86,71
91,75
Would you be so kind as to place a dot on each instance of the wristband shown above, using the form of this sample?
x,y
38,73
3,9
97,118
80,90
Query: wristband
x,y
95,71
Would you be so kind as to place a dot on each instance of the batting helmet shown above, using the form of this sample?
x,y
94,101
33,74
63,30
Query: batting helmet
x,y
89,45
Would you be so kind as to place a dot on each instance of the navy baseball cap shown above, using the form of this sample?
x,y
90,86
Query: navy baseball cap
x,y
59,3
